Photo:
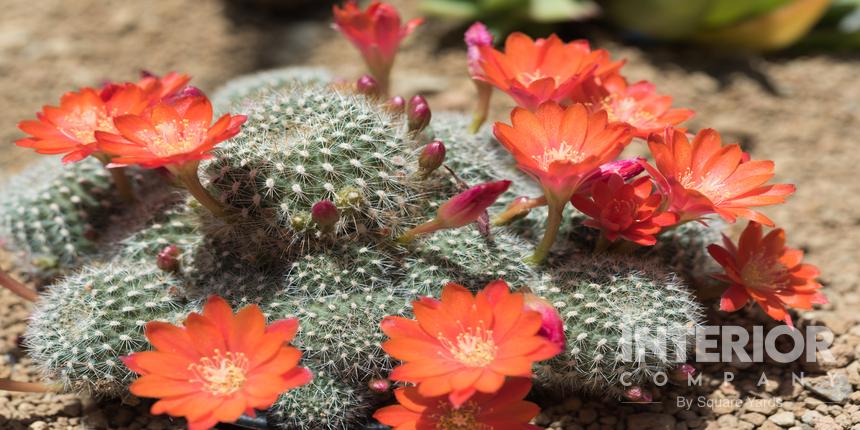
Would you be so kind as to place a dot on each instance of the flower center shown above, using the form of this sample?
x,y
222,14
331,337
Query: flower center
x,y
221,374
81,124
176,137
529,77
463,418
765,274
563,152
474,348
711,188
625,109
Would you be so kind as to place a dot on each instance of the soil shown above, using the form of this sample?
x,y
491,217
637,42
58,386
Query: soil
x,y
801,112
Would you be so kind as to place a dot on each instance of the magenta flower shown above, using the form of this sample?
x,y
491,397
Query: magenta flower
x,y
552,326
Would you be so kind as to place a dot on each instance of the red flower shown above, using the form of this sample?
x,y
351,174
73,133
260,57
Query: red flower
x,y
218,365
630,211
504,410
376,32
466,344
705,177
561,148
537,71
161,87
763,269
169,135
70,128
638,105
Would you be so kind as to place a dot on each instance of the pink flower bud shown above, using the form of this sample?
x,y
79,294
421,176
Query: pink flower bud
x,y
638,394
432,156
552,326
627,169
476,36
396,104
325,215
168,258
682,373
468,206
462,209
379,385
418,116
367,85
188,91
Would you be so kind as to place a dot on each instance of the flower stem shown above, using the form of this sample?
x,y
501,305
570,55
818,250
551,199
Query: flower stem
x,y
426,228
7,384
518,209
17,287
485,91
553,224
602,244
120,179
188,175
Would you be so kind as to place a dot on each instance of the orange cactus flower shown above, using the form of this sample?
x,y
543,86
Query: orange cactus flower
x,y
504,410
218,365
161,87
466,344
536,71
560,147
706,177
176,135
376,32
70,128
763,269
629,211
638,105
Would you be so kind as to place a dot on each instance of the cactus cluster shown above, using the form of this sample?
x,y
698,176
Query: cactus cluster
x,y
306,142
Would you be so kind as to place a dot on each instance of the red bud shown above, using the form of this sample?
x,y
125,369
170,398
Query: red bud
x,y
638,394
379,385
168,258
552,326
419,117
396,104
367,85
432,156
325,215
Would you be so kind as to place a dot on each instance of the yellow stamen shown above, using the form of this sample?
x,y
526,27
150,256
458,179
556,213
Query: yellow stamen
x,y
474,348
222,374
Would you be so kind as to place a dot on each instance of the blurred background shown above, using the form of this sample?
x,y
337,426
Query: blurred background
x,y
782,77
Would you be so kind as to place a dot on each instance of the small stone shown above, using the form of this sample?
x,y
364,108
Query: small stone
x,y
572,404
783,419
727,421
72,409
834,386
762,406
810,417
769,425
587,416
650,421
754,418
38,425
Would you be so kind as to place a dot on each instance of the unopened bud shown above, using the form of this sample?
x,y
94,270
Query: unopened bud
x,y
627,169
188,91
418,113
168,258
367,85
325,215
682,373
432,156
396,104
638,394
552,326
379,385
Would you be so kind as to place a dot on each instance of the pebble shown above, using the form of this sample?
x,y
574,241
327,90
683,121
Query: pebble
x,y
783,419
762,406
834,387
650,421
754,418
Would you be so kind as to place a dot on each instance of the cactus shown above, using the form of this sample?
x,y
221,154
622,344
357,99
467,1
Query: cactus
x,y
325,403
234,95
85,322
51,213
311,144
605,301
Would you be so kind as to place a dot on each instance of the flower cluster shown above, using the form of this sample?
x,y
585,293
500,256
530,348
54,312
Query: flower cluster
x,y
576,112
156,122
470,358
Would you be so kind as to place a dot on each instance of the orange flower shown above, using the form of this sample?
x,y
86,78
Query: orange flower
x,y
161,87
535,71
70,128
376,32
169,135
465,344
638,105
705,177
560,147
630,211
218,366
504,410
763,269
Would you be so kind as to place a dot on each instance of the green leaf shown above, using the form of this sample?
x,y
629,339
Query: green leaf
x,y
561,10
461,9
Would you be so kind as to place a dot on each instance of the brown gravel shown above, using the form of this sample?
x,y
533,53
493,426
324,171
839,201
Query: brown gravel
x,y
802,112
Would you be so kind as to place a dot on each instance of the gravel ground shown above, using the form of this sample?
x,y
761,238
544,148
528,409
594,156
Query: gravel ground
x,y
802,112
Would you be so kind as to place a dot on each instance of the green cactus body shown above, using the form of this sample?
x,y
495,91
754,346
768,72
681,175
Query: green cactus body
x,y
325,403
233,97
307,145
619,313
685,250
85,322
